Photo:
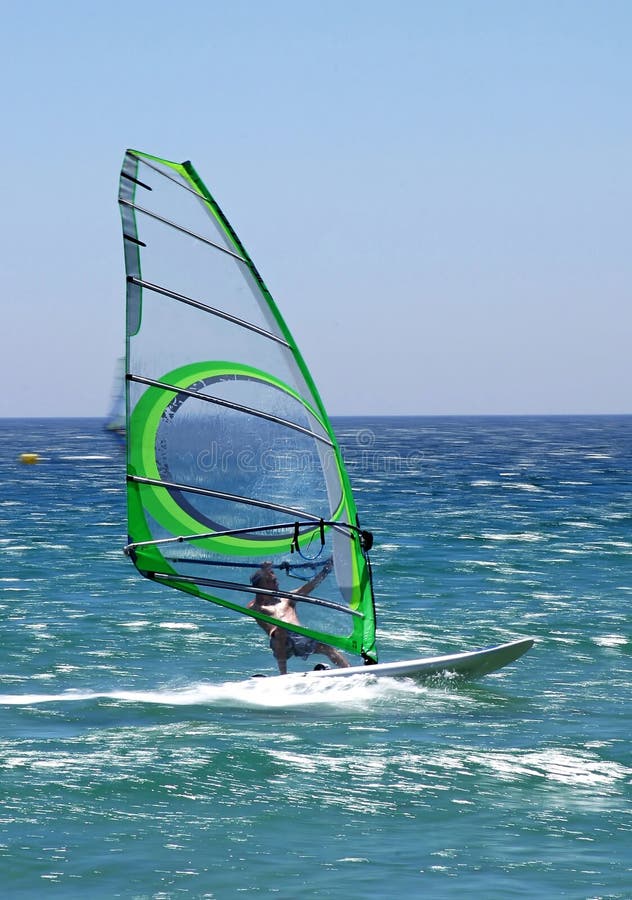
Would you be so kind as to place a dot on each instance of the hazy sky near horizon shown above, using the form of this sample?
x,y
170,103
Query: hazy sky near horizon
x,y
438,194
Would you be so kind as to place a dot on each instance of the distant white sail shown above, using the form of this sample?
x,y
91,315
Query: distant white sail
x,y
116,417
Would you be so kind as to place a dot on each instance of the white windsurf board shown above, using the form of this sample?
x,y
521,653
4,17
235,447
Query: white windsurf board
x,y
471,664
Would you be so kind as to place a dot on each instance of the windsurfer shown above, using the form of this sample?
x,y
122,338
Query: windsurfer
x,y
283,643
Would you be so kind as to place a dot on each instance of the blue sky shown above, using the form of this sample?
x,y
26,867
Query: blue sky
x,y
438,194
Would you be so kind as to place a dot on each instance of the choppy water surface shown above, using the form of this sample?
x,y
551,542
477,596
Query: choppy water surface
x,y
136,761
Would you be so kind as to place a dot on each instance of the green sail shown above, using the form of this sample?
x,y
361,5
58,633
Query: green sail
x,y
231,458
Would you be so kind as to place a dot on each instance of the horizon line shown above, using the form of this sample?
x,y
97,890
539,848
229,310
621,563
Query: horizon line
x,y
483,415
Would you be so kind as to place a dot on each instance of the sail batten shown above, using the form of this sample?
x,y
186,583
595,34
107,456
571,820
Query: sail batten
x,y
134,240
188,232
244,588
198,304
163,174
136,181
222,495
248,410
226,431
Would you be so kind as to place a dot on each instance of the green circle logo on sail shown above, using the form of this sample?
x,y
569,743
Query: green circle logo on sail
x,y
219,458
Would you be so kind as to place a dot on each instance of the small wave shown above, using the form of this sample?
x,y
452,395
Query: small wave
x,y
558,765
87,457
526,536
610,640
581,524
33,699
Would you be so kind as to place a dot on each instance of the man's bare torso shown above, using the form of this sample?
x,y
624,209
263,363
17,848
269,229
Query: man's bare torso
x,y
282,609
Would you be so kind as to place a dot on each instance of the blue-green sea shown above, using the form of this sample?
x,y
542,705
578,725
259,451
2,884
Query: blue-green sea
x,y
137,760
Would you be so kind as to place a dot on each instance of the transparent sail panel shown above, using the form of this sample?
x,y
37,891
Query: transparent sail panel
x,y
231,459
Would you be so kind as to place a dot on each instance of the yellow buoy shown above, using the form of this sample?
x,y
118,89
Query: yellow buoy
x,y
29,458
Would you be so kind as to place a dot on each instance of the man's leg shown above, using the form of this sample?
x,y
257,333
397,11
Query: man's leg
x,y
334,655
278,642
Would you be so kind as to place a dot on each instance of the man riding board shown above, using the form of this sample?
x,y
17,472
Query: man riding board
x,y
285,644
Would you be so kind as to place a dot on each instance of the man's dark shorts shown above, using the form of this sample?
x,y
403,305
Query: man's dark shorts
x,y
299,645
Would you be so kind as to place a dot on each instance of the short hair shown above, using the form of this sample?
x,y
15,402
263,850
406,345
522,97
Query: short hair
x,y
260,574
